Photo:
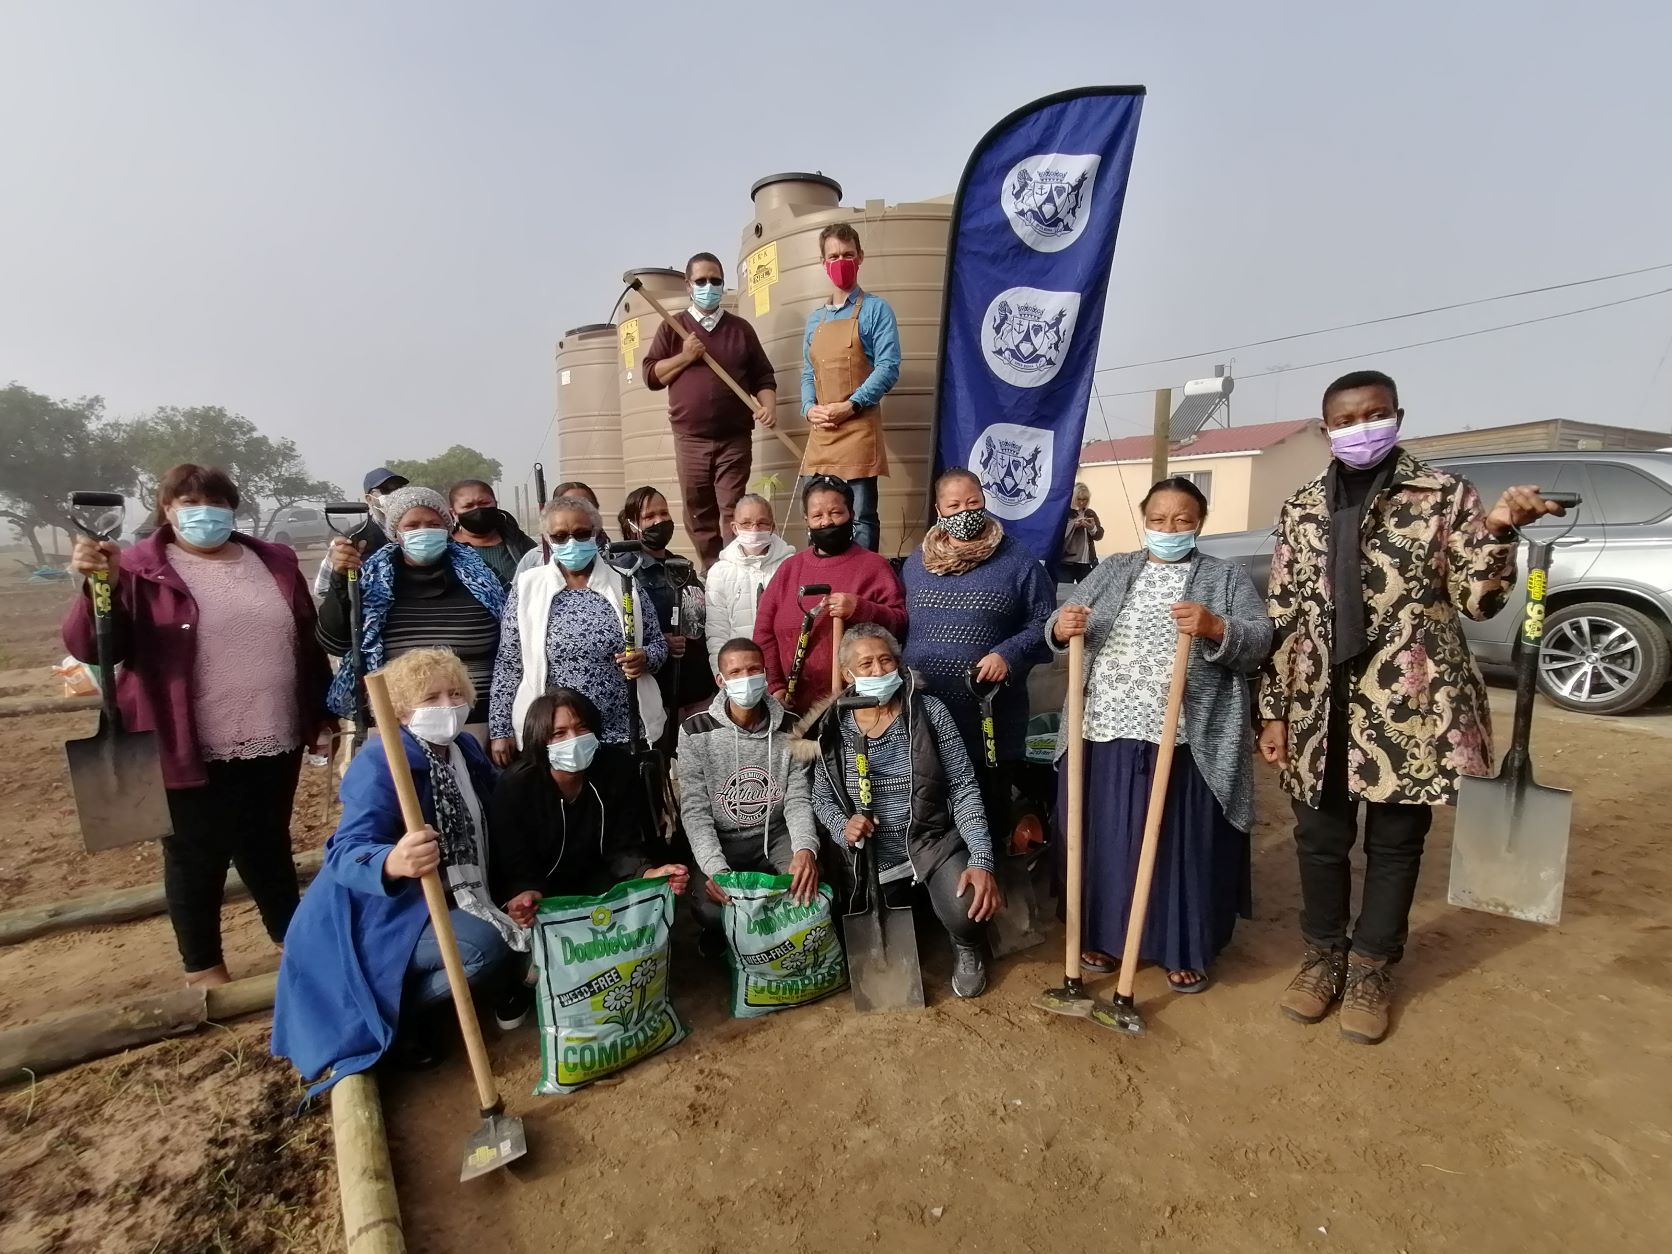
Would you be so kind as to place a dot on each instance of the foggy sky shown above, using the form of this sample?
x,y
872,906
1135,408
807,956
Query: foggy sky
x,y
365,225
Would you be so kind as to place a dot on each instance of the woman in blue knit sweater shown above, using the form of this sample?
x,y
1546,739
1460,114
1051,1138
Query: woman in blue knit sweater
x,y
976,598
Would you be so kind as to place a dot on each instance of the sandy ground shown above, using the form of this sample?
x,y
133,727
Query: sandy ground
x,y
1520,1104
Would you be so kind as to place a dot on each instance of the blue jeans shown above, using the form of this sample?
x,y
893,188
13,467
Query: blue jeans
x,y
480,947
867,530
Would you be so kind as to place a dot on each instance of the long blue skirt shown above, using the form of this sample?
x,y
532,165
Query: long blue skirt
x,y
1203,879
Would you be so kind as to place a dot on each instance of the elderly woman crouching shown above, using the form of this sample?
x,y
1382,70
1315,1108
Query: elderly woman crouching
x,y
928,827
361,961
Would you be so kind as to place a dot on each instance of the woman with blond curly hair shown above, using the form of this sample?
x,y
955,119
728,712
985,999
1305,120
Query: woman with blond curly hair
x,y
362,964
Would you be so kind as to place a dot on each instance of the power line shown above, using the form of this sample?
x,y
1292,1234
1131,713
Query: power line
x,y
1442,339
1371,322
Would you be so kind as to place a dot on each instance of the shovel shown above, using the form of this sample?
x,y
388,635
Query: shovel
x,y
500,1139
1120,1013
358,510
1072,998
807,615
116,776
1510,841
882,939
1021,924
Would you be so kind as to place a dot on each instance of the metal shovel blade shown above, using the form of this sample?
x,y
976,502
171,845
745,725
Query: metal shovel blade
x,y
1509,848
1021,924
882,959
117,781
498,1141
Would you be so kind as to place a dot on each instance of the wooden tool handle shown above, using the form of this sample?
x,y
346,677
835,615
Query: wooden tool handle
x,y
723,374
1074,890
1152,818
435,896
836,628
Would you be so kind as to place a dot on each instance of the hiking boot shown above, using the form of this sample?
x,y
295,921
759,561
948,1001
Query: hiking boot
x,y
969,971
511,1008
1369,997
1322,976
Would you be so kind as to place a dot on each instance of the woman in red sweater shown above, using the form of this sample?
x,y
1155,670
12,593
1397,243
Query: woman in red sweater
x,y
863,589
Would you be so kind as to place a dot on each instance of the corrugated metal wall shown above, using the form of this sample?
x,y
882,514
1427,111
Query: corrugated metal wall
x,y
1553,435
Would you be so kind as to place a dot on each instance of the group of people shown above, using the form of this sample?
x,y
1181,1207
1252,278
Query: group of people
x,y
531,687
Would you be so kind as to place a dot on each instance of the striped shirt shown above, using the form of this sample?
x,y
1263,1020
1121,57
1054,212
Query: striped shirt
x,y
889,758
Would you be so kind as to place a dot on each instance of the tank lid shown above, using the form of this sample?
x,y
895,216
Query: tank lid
x,y
796,176
591,326
647,270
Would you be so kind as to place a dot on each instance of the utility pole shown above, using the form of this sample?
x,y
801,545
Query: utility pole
x,y
1163,417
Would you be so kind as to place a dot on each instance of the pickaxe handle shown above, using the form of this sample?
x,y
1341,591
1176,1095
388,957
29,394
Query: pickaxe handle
x,y
716,367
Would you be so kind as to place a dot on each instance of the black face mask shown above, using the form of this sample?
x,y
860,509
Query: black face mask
x,y
482,521
657,535
833,539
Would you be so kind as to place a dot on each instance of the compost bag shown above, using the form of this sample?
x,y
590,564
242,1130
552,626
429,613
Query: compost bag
x,y
781,953
602,996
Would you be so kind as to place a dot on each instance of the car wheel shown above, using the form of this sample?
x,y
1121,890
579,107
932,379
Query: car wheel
x,y
282,538
1602,658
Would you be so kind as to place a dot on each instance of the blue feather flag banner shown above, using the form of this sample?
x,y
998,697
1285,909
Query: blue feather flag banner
x,y
1027,273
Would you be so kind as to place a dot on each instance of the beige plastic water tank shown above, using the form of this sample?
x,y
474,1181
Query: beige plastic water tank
x,y
781,278
647,442
589,413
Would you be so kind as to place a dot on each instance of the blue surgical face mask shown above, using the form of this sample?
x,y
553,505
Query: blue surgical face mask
x,y
1169,546
424,546
204,526
746,691
882,687
573,755
707,297
575,554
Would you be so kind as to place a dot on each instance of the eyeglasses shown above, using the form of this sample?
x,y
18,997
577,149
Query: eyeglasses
x,y
582,534
708,282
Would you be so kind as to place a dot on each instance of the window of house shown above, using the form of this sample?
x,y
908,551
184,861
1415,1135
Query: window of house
x,y
1203,479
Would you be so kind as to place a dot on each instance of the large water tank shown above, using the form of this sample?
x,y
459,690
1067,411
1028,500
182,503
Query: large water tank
x,y
781,278
647,442
589,413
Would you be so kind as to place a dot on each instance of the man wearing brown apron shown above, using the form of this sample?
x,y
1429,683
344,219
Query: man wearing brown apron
x,y
850,361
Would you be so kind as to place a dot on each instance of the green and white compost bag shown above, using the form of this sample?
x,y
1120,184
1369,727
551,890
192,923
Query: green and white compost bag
x,y
781,953
602,997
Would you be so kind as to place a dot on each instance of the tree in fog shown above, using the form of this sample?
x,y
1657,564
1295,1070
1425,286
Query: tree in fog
x,y
445,469
50,448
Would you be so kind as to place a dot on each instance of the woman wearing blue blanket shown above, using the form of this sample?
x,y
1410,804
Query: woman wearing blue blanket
x,y
361,968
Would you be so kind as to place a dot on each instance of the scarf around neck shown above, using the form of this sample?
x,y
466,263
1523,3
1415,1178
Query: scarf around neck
x,y
942,555
462,846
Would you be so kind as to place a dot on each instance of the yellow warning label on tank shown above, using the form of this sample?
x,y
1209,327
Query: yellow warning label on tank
x,y
629,338
760,268
763,301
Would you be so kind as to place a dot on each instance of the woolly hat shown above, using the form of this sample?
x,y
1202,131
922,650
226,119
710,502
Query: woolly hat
x,y
399,502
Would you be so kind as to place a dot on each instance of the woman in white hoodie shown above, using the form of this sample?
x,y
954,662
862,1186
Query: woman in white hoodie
x,y
740,574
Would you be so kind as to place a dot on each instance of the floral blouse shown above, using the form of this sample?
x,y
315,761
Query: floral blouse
x,y
1127,696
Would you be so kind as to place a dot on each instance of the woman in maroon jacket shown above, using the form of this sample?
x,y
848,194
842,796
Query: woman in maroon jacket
x,y
215,636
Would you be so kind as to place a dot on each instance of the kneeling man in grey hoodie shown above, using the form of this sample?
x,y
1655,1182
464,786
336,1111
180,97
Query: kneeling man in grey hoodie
x,y
745,802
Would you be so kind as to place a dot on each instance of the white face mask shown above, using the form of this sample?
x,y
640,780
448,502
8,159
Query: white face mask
x,y
438,724
754,539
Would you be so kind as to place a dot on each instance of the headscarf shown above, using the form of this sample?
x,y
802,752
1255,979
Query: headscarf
x,y
402,500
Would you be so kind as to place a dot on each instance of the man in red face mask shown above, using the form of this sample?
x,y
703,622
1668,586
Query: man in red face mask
x,y
850,361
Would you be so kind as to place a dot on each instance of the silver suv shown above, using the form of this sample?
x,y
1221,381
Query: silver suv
x,y
1609,610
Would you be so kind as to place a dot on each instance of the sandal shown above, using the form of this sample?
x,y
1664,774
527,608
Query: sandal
x,y
1098,961
1198,985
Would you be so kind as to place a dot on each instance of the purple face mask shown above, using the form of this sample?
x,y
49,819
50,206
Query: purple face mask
x,y
1365,444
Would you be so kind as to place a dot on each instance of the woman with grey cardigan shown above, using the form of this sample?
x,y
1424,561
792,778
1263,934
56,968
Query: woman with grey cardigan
x,y
1131,610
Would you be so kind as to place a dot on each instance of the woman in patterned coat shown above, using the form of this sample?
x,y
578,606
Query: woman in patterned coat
x,y
1371,695
1131,611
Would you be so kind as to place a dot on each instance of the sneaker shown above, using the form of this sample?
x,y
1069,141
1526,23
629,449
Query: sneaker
x,y
1369,997
969,971
415,1047
1316,986
711,943
511,1008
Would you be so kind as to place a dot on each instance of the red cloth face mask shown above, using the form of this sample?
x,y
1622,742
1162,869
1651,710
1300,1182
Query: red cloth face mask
x,y
843,271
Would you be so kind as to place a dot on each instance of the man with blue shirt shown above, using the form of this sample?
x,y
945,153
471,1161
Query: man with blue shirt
x,y
850,361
